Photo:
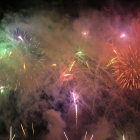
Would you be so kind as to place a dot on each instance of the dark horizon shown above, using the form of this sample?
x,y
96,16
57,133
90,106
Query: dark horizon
x,y
70,7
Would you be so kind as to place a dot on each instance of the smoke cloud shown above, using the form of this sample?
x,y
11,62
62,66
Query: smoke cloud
x,y
45,58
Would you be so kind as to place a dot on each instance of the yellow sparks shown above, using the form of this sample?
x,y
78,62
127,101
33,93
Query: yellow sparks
x,y
87,64
10,53
54,65
66,75
125,68
13,137
24,66
71,66
23,130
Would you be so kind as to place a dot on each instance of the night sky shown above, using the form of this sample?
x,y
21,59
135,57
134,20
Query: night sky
x,y
71,7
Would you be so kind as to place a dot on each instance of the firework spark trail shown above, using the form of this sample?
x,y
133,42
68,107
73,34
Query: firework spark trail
x,y
123,137
76,111
10,132
91,137
33,128
10,53
67,74
66,135
115,51
13,137
23,130
76,107
54,65
74,98
87,65
71,66
24,66
85,136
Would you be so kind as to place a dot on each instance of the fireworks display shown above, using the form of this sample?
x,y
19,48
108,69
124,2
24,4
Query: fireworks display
x,y
60,82
126,68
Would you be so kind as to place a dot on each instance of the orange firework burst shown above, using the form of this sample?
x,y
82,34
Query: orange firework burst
x,y
126,68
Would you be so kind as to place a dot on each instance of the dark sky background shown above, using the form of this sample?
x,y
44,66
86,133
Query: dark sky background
x,y
72,7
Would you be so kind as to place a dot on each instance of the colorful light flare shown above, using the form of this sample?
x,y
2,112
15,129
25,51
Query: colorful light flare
x,y
123,35
20,37
75,98
85,34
